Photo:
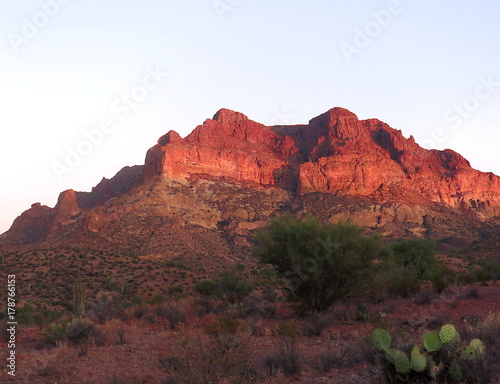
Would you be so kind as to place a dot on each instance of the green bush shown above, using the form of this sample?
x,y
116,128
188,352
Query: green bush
x,y
319,263
416,256
75,330
231,286
489,271
208,287
24,315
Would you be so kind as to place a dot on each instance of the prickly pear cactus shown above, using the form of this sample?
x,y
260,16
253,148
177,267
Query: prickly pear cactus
x,y
418,362
473,350
448,333
432,341
390,354
381,339
415,350
468,353
401,362
478,346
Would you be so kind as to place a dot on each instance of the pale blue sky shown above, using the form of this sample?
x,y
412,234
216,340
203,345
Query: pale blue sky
x,y
277,61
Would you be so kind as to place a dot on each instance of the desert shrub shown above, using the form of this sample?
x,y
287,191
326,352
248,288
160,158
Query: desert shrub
x,y
248,374
270,293
256,325
471,292
489,271
424,297
233,286
172,313
272,364
332,359
120,332
318,263
76,330
79,329
287,359
208,287
210,358
205,305
416,256
109,309
175,290
44,317
140,312
157,299
315,324
254,305
399,281
24,315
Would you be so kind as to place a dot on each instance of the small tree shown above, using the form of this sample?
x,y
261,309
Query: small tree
x,y
320,263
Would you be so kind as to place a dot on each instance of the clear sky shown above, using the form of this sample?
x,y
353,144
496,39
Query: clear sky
x,y
133,70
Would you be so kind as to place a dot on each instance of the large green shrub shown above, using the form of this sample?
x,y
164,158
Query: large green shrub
x,y
319,263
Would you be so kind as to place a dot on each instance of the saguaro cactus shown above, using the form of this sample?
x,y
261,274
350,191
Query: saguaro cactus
x,y
79,298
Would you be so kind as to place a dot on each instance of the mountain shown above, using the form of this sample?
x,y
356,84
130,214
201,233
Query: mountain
x,y
203,195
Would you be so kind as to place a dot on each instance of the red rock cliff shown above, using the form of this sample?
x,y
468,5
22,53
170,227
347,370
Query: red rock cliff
x,y
335,153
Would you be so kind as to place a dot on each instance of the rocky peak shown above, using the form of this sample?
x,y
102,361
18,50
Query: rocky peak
x,y
67,205
171,137
229,117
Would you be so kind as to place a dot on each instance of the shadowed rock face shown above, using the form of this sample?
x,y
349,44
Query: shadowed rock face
x,y
231,174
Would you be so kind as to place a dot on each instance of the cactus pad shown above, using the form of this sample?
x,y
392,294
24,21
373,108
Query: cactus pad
x,y
432,341
473,350
448,333
415,350
381,339
418,362
468,353
401,362
390,354
477,345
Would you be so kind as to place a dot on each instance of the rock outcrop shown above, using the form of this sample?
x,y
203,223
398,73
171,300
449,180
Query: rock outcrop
x,y
231,174
335,153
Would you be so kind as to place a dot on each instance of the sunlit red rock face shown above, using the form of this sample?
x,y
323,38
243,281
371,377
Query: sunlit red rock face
x,y
228,145
335,153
